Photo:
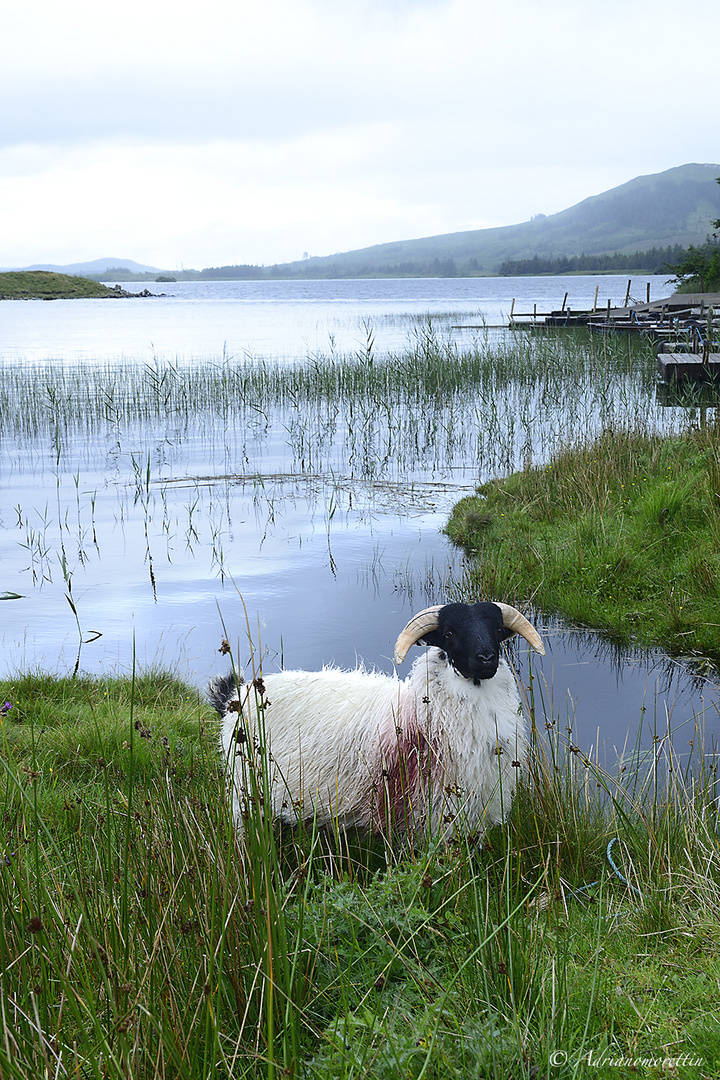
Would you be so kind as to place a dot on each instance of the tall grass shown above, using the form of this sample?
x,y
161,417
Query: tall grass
x,y
142,937
414,388
83,396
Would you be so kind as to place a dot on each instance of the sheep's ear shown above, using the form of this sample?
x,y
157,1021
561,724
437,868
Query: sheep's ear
x,y
422,624
516,623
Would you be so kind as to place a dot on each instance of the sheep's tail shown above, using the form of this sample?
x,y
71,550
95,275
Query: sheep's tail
x,y
222,690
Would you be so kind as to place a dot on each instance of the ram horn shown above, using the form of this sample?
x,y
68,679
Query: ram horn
x,y
423,623
513,620
427,620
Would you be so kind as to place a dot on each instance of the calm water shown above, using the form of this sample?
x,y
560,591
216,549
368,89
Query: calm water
x,y
164,535
271,319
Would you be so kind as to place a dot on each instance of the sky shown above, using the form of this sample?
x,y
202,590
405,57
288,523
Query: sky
x,y
209,133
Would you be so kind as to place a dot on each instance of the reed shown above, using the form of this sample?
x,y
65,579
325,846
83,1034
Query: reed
x,y
82,398
152,457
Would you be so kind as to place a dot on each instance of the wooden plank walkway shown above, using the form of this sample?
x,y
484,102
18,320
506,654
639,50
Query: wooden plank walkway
x,y
688,367
653,317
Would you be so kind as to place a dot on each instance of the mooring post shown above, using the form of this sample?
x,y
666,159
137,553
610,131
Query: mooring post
x,y
597,288
565,301
627,294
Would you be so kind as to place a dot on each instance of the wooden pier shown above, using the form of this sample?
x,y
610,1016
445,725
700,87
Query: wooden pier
x,y
659,318
686,328
689,367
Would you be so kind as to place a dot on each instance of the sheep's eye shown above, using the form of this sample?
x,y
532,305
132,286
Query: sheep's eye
x,y
449,635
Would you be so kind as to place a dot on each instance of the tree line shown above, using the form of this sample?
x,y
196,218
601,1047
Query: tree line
x,y
654,260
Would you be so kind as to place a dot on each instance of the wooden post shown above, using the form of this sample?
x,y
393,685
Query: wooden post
x,y
597,288
627,294
648,293
512,307
564,302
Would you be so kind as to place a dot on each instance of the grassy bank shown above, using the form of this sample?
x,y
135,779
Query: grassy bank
x,y
47,285
140,940
621,534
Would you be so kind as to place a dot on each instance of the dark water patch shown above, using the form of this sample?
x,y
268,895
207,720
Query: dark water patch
x,y
615,702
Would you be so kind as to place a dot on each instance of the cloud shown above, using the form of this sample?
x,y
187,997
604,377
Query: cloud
x,y
233,132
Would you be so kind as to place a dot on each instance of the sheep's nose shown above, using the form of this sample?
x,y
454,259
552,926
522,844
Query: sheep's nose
x,y
485,658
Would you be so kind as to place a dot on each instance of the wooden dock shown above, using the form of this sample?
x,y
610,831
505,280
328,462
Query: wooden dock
x,y
689,367
685,326
660,319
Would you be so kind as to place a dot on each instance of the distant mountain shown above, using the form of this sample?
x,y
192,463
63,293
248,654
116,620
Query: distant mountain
x,y
97,266
660,210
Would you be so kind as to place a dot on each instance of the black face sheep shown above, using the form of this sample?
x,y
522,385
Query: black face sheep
x,y
440,749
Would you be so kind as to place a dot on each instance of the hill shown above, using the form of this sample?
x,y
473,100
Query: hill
x,y
659,210
96,266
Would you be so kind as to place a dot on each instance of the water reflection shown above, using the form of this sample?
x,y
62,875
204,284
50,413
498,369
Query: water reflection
x,y
617,701
202,320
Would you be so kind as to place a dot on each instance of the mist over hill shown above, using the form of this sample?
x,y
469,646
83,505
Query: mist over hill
x,y
95,267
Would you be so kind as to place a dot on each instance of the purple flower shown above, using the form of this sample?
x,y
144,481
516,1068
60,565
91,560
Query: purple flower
x,y
5,709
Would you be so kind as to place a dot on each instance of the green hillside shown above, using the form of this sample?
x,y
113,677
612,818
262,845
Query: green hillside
x,y
660,210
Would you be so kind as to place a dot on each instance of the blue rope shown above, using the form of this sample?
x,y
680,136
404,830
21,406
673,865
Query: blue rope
x,y
584,888
615,869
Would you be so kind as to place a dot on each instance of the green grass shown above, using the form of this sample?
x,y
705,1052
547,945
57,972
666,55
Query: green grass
x,y
141,938
620,534
47,285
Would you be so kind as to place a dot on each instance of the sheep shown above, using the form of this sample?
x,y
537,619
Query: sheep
x,y
360,749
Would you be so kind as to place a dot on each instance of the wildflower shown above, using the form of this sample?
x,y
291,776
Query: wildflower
x,y
5,709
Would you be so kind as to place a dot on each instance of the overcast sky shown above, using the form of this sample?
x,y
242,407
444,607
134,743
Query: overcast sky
x,y
206,133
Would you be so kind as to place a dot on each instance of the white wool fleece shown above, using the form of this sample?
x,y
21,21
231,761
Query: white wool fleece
x,y
363,749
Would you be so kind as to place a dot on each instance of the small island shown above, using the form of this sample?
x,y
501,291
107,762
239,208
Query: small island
x,y
49,285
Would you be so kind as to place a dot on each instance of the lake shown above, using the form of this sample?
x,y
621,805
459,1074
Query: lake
x,y
281,319
315,512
